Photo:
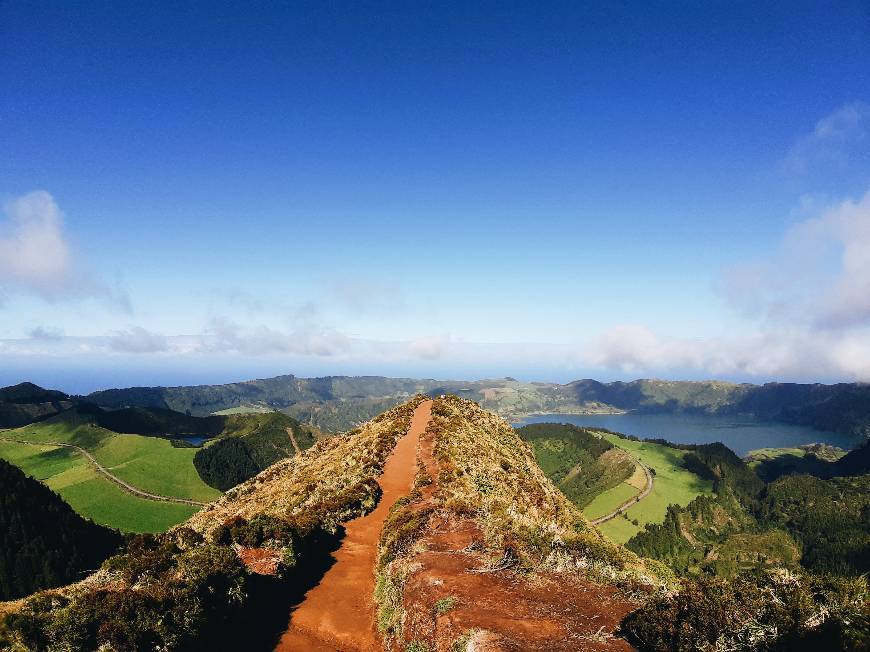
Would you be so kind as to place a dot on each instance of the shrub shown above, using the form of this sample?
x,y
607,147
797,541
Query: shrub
x,y
766,611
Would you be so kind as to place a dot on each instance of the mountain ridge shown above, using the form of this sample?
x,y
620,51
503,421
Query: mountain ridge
x,y
336,403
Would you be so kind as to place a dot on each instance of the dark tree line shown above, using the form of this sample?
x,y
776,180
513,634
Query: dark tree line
x,y
44,542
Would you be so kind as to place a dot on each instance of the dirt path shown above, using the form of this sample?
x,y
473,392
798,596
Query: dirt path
x,y
633,501
339,613
293,441
109,476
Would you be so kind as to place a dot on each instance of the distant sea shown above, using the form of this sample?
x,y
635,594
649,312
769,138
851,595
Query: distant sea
x,y
740,434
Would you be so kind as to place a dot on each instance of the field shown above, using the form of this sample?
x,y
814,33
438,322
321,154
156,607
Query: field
x,y
245,409
671,484
69,474
761,454
148,463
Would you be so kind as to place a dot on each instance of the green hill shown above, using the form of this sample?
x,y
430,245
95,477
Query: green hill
x,y
580,463
150,464
249,444
45,543
823,524
25,403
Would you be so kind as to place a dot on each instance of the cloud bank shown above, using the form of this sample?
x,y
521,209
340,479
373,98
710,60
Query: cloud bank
x,y
809,303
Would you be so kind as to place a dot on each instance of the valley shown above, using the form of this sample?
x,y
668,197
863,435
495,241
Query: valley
x,y
434,326
465,530
90,493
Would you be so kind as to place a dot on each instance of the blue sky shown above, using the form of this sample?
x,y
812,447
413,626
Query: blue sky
x,y
546,190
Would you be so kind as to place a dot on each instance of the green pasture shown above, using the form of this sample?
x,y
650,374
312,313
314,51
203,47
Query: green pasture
x,y
69,473
672,484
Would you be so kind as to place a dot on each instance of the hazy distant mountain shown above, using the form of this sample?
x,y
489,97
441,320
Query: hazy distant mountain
x,y
339,402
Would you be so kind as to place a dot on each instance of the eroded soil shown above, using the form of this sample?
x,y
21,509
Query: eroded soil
x,y
455,595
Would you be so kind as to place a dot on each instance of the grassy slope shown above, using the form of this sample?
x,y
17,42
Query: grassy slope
x,y
74,478
672,484
243,409
580,463
149,463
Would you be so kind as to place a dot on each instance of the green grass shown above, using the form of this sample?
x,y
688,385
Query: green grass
x,y
609,500
151,464
244,409
755,457
148,463
672,484
69,474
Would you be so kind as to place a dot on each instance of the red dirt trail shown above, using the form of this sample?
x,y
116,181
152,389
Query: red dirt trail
x,y
339,613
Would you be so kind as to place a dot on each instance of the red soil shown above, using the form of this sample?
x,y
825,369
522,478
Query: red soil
x,y
516,613
507,611
263,561
339,613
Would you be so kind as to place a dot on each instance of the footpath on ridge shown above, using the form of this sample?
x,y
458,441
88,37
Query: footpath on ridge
x,y
339,612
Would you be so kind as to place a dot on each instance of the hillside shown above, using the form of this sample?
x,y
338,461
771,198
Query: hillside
x,y
25,403
580,463
45,543
462,539
795,520
55,451
481,479
337,403
248,444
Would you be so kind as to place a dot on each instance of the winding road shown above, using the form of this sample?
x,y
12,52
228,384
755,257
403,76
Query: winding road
x,y
632,501
109,476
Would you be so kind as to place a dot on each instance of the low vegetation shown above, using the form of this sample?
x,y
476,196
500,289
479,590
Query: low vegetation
x,y
91,495
776,566
486,477
188,589
673,484
772,610
330,482
487,470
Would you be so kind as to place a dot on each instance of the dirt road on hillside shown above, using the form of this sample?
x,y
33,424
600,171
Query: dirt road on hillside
x,y
628,504
339,613
108,474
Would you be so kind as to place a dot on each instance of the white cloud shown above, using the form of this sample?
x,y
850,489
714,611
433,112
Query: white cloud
x,y
46,333
36,257
429,348
224,336
832,141
798,354
366,295
137,340
33,249
809,302
820,276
